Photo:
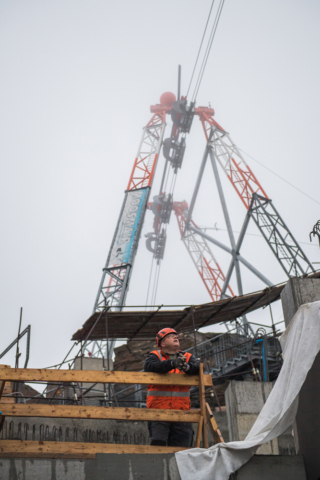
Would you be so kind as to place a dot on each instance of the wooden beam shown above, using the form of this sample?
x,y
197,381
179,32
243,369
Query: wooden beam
x,y
103,413
32,449
93,376
202,399
2,386
2,383
215,432
199,432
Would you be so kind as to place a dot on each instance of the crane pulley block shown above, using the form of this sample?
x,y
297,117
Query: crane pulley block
x,y
173,151
156,243
182,114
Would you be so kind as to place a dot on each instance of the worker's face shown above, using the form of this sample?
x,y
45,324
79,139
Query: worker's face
x,y
171,341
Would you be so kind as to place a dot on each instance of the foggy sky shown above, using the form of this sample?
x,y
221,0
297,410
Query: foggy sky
x,y
76,84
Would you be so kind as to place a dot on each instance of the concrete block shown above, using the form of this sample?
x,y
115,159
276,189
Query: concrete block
x,y
244,401
297,292
244,425
137,467
249,397
42,469
272,467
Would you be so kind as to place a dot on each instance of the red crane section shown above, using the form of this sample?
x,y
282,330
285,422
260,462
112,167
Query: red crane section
x,y
145,163
231,160
201,255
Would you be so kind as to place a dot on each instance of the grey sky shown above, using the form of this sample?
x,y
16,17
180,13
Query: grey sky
x,y
77,79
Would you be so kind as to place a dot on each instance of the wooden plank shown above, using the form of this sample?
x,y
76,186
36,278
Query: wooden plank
x,y
216,434
2,419
199,432
94,376
2,387
32,449
110,413
202,399
7,391
3,383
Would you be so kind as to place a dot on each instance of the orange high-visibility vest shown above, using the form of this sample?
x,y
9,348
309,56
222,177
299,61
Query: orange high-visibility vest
x,y
176,397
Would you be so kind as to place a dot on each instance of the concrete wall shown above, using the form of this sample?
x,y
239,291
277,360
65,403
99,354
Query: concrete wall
x,y
297,292
140,467
88,430
73,430
265,467
244,401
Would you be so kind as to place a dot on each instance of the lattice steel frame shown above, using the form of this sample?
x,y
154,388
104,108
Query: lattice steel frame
x,y
201,255
271,225
279,238
114,284
115,279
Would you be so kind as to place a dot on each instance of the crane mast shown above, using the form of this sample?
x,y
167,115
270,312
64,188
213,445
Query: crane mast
x,y
116,274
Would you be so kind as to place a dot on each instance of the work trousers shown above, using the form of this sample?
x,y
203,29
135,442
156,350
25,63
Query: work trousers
x,y
172,434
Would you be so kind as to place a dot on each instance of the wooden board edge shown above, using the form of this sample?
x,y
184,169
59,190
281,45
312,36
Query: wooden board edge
x,y
46,375
34,449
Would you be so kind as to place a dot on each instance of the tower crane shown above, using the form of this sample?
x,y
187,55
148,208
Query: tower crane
x,y
221,150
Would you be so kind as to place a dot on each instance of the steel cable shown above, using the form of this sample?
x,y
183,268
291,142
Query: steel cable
x,y
195,65
208,49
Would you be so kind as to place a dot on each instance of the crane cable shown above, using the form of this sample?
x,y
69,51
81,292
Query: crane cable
x,y
195,65
207,50
194,96
154,288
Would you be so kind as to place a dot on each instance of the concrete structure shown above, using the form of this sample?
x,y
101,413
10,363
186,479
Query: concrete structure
x,y
244,401
75,430
141,467
98,392
297,292
96,396
88,430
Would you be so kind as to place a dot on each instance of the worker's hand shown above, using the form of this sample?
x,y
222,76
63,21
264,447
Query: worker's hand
x,y
180,363
185,366
177,363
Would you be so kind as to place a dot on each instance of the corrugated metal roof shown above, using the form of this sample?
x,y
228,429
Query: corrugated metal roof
x,y
136,325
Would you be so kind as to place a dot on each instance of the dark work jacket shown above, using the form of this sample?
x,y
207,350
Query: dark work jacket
x,y
176,397
153,364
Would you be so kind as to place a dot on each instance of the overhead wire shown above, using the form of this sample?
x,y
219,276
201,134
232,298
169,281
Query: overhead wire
x,y
279,176
250,234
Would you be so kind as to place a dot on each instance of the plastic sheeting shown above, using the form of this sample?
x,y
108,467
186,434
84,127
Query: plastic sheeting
x,y
300,343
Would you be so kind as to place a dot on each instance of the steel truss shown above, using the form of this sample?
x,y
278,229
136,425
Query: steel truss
x,y
279,238
272,227
115,279
201,255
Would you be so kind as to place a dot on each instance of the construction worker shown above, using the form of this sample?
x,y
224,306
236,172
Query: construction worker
x,y
170,359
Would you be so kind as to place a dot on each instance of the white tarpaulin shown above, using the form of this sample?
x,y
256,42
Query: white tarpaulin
x,y
300,344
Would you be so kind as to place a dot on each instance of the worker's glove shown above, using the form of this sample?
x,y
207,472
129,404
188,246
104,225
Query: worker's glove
x,y
181,363
185,366
177,363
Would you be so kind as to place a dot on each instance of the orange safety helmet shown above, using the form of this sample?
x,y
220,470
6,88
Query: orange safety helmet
x,y
163,333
